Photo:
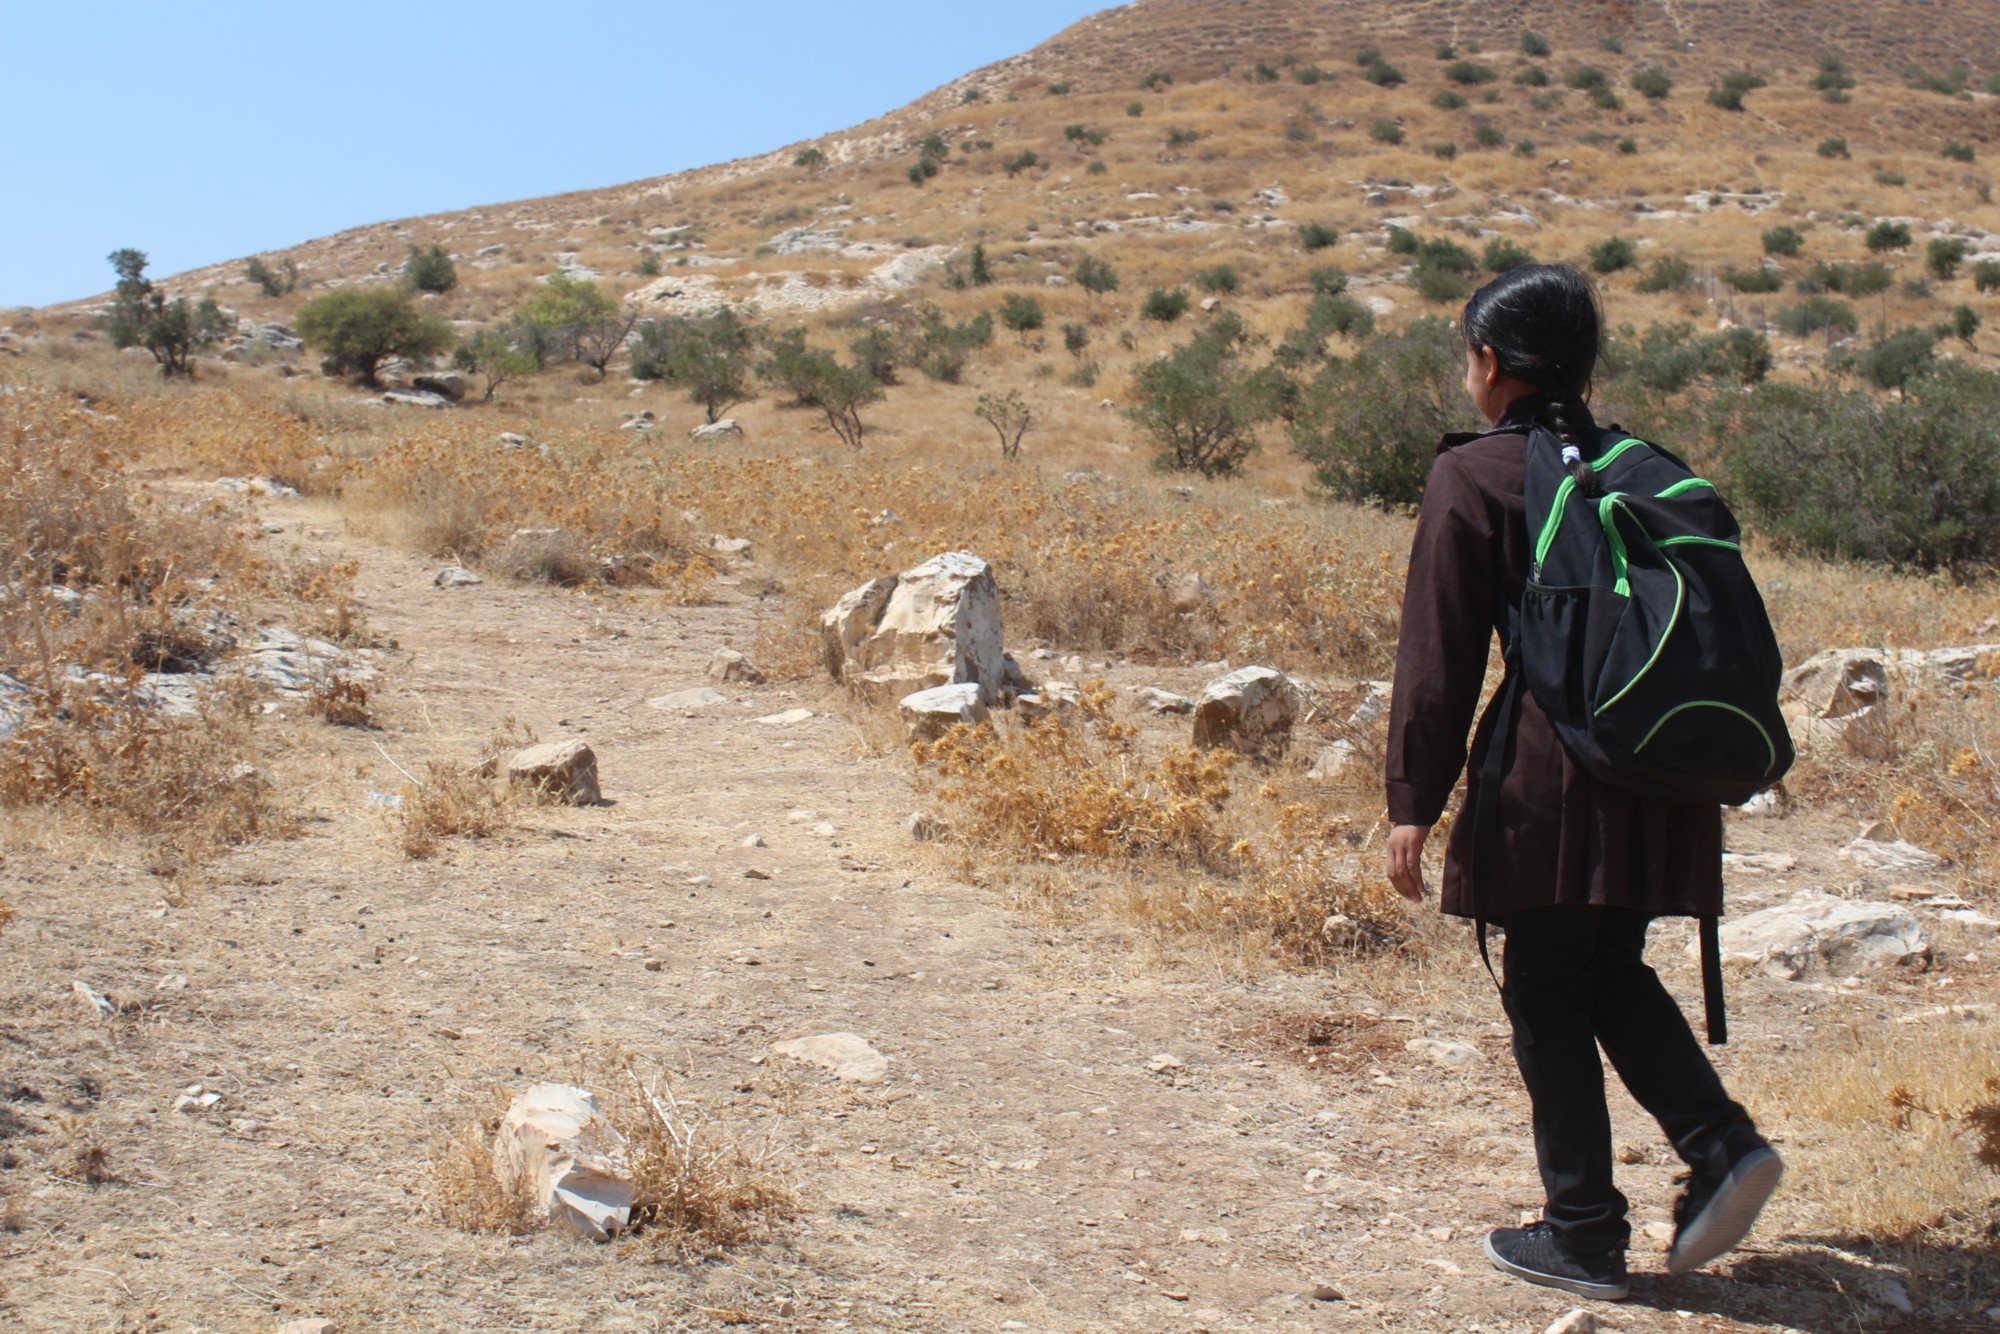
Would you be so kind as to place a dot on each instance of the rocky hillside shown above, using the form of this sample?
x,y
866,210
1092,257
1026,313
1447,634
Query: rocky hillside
x,y
1172,126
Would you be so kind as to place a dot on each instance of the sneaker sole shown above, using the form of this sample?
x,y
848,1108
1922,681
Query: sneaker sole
x,y
1604,1292
1729,1217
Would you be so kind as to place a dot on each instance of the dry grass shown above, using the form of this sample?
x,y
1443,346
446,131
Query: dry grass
x,y
699,1186
1895,1132
1272,872
451,801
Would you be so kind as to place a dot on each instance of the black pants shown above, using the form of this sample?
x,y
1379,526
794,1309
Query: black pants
x,y
1576,978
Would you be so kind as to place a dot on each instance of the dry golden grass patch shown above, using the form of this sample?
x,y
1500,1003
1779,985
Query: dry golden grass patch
x,y
703,1182
1894,1133
451,801
1272,869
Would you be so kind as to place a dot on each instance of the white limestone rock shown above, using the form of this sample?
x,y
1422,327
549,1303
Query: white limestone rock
x,y
1816,930
929,714
933,625
556,1148
563,771
1251,710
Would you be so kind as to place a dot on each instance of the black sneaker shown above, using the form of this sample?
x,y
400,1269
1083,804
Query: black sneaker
x,y
1537,1254
1717,1210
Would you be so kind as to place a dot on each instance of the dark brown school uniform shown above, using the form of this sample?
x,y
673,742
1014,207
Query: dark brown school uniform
x,y
1565,839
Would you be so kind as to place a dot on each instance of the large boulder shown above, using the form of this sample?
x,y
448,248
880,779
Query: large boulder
x,y
937,624
564,771
929,714
1848,682
556,1149
1251,711
445,384
1815,929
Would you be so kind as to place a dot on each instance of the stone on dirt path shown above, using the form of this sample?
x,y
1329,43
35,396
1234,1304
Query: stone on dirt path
x,y
455,576
730,667
785,719
1444,1053
1165,701
935,624
557,1149
1887,854
852,1059
700,697
1251,710
564,771
1845,935
308,1326
1578,1321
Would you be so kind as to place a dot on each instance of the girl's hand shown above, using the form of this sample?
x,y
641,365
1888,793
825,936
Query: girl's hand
x,y
1406,860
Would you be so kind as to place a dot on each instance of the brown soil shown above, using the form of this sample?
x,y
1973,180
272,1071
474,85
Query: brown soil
x,y
1021,1168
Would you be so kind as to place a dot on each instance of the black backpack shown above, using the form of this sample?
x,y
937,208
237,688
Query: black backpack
x,y
1644,640
1641,633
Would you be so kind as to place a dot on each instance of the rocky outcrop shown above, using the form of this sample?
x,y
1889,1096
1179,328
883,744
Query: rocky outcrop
x,y
1250,711
936,624
1817,930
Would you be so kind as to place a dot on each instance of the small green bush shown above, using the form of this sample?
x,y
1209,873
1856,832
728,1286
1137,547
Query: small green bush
x,y
1265,72
280,281
1841,473
359,328
812,158
1135,108
1368,55
1328,280
1503,255
1958,152
1059,90
1628,146
1403,241
1298,132
1888,235
1949,82
1076,337
1386,132
429,269
1383,75
1022,313
1833,80
710,356
1856,280
1652,83
1318,236
1760,281
1016,165
1339,313
1818,314
1919,289
1611,42
1670,357
1447,100
1095,276
1469,73
1612,254
1164,305
940,349
1445,51
1203,404
1084,134
1096,167
1179,138
1221,280
1894,178
1834,147
1728,92
1310,74
1534,44
1524,148
1669,273
1534,76
1963,324
1585,77
1369,425
1155,81
1605,99
1785,240
1986,276
1440,285
1488,135
1445,151
1943,256
1448,255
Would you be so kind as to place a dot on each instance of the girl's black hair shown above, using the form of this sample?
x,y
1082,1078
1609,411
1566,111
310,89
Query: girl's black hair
x,y
1543,324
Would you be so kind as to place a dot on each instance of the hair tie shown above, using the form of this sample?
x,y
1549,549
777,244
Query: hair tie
x,y
1571,456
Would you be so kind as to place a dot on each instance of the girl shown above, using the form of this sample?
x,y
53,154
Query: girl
x,y
1577,869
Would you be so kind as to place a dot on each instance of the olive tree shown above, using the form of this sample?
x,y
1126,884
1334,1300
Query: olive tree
x,y
359,328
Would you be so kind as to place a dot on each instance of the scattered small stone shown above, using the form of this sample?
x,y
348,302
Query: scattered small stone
x,y
1914,893
1578,1321
1163,1063
1326,1292
716,430
455,576
1174,1295
1659,1231
680,701
655,965
927,828
243,1126
1631,1156
1759,863
1444,1053
754,874
564,771
852,1059
94,1000
753,840
308,1326
1165,701
1888,855
929,714
729,667
175,982
1251,710
824,829
785,719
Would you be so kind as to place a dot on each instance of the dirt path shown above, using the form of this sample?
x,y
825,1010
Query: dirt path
x,y
1021,1168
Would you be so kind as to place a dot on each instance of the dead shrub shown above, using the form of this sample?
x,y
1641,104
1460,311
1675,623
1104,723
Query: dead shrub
x,y
450,802
1266,872
698,1186
459,1187
542,556
340,701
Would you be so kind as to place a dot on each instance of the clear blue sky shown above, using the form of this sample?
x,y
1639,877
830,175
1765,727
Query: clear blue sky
x,y
202,131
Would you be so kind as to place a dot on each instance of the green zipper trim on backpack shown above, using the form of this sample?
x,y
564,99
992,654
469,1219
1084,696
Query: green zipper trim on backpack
x,y
1694,540
1680,600
1684,486
1553,523
1608,518
1712,704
